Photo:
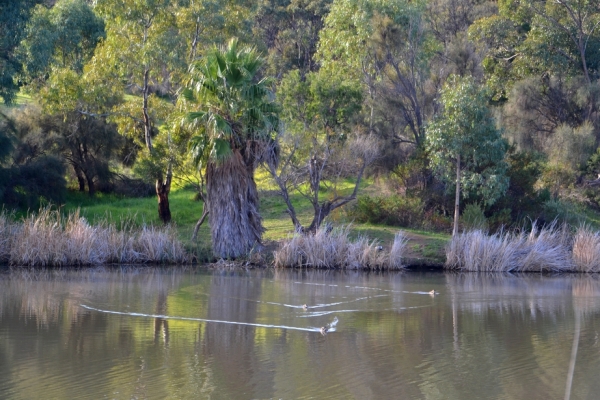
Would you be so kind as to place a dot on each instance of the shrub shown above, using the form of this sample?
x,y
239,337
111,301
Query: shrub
x,y
473,218
563,211
390,210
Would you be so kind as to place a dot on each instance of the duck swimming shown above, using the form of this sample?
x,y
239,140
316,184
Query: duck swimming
x,y
324,330
304,306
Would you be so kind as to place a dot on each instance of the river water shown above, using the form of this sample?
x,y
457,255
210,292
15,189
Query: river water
x,y
182,333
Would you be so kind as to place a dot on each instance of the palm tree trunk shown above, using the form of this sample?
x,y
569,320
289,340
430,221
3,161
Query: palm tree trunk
x,y
235,223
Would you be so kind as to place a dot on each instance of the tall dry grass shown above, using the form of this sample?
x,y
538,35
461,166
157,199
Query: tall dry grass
x,y
586,250
51,239
335,250
540,250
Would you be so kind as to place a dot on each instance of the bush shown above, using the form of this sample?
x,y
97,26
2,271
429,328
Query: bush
x,y
473,218
391,210
563,211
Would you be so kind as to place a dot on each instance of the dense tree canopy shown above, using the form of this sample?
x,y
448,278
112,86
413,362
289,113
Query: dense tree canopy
x,y
308,83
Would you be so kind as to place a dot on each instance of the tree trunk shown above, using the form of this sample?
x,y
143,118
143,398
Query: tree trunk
x,y
321,212
235,223
80,178
200,221
456,197
91,185
162,191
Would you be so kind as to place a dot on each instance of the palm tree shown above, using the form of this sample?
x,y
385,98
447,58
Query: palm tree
x,y
236,118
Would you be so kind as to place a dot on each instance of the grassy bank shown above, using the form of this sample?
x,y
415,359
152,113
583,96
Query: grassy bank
x,y
186,211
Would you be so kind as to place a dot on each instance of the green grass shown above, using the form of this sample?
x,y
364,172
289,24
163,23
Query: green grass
x,y
20,99
185,212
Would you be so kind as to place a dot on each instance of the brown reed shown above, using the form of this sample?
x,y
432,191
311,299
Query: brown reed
x,y
50,239
541,250
335,250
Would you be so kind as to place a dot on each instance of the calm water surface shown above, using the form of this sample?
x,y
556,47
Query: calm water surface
x,y
237,334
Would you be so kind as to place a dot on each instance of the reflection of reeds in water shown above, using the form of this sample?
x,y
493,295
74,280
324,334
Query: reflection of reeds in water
x,y
546,249
525,294
40,293
335,250
50,239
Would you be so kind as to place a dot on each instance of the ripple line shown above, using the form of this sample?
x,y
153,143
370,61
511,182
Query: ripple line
x,y
134,314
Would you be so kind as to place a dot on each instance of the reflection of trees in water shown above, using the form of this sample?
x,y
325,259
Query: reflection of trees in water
x,y
161,325
231,347
504,321
472,339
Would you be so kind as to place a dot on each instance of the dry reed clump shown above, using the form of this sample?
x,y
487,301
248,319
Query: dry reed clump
x,y
586,250
50,239
7,233
335,250
546,249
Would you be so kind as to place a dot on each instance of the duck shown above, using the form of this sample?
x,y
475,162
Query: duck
x,y
433,293
304,306
324,330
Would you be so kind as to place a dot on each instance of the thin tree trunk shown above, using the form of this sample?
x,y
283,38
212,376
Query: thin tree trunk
x,y
91,185
456,197
200,221
147,123
80,178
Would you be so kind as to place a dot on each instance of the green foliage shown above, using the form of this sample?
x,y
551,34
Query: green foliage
x,y
289,29
63,36
13,21
522,198
384,47
233,106
467,130
390,210
25,182
562,211
539,37
473,218
542,111
322,101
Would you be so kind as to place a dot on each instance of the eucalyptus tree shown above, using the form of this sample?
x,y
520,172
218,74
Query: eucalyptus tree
x,y
539,38
320,144
62,36
463,141
25,181
384,45
142,50
235,117
77,108
290,31
13,21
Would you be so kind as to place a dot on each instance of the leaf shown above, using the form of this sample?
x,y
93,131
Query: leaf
x,y
221,149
